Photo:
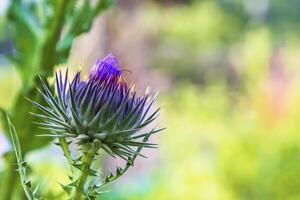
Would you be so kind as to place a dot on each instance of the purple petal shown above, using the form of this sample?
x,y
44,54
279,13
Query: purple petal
x,y
107,69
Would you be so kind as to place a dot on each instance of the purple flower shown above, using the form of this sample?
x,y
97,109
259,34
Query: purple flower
x,y
106,69
101,108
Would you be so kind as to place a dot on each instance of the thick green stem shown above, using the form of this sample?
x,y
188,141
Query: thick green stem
x,y
87,162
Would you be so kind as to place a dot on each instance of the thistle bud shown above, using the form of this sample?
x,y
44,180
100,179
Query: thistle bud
x,y
101,108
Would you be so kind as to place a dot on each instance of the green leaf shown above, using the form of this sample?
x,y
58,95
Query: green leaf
x,y
22,167
15,141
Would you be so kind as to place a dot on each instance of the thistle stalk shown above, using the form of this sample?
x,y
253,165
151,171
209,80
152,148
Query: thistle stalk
x,y
64,146
87,163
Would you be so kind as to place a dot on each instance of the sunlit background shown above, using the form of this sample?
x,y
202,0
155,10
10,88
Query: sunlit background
x,y
228,72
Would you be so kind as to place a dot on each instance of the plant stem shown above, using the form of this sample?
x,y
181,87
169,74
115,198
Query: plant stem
x,y
87,162
65,148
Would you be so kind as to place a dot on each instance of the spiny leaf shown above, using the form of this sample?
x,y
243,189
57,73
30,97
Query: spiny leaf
x,y
93,172
26,184
67,188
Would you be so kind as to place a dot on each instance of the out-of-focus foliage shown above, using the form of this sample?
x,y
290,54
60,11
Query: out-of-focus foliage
x,y
220,145
193,46
9,84
226,142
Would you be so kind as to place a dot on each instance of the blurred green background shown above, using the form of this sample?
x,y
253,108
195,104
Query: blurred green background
x,y
228,72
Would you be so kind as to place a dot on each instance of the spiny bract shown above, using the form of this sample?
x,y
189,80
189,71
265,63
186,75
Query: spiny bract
x,y
103,107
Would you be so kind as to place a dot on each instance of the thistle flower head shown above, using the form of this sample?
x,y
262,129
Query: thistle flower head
x,y
101,108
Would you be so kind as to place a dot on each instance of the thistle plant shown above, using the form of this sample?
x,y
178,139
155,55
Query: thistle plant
x,y
102,113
